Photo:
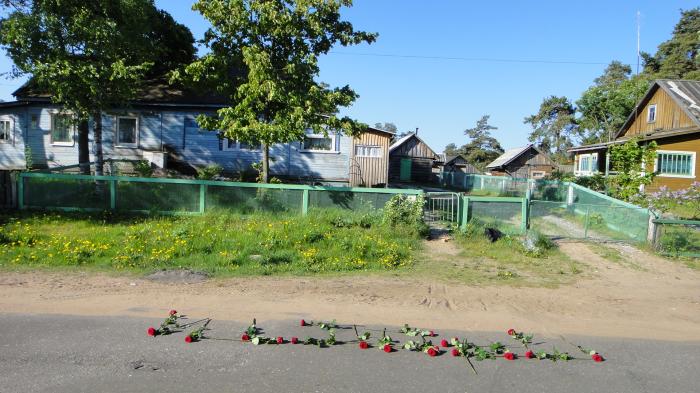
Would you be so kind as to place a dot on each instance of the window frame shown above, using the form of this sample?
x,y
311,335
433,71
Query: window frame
x,y
332,137
693,163
117,143
538,174
235,145
649,112
10,130
71,129
592,157
364,146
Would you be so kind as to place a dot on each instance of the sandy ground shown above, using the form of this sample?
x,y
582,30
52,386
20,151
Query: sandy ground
x,y
644,297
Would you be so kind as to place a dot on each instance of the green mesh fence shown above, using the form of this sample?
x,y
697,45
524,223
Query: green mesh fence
x,y
678,238
482,185
355,201
157,197
505,215
64,192
252,199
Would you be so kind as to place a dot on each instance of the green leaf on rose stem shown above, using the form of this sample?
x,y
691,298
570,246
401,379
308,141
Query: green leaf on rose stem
x,y
405,328
497,347
363,337
410,345
412,333
454,342
541,355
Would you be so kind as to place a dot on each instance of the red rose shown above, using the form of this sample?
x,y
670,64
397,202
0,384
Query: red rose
x,y
364,345
432,351
188,339
280,340
432,334
302,323
530,355
511,332
455,352
152,331
245,337
509,356
597,358
387,348
294,340
173,312
444,343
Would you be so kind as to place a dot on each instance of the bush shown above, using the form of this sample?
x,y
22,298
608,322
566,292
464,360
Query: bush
x,y
405,210
143,168
209,172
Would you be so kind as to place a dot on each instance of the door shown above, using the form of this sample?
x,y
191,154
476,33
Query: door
x,y
405,174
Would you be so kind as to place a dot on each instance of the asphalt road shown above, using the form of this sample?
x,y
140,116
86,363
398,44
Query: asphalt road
x,y
54,353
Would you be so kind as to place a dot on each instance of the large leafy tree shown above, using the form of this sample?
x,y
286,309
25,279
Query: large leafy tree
x,y
678,57
604,107
91,55
391,127
263,55
554,127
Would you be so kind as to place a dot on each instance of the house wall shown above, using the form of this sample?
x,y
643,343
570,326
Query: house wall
x,y
173,131
524,166
421,155
668,116
685,143
370,171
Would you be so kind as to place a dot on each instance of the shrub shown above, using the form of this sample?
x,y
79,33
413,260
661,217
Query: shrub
x,y
209,172
143,168
404,210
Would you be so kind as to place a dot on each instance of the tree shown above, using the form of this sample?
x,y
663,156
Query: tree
x,y
264,56
452,150
90,55
604,107
678,58
391,127
554,127
634,166
482,148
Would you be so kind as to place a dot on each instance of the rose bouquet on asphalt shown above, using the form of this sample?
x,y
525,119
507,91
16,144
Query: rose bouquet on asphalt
x,y
168,326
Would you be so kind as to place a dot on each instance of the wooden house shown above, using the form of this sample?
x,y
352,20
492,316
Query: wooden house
x,y
457,164
525,162
411,160
161,127
669,114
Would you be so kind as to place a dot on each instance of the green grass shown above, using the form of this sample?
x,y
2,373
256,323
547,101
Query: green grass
x,y
220,243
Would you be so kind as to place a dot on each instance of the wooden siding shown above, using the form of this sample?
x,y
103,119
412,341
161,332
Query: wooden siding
x,y
524,166
421,156
685,143
370,171
668,116
12,151
414,147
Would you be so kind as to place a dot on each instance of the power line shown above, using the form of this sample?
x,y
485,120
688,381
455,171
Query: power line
x,y
474,59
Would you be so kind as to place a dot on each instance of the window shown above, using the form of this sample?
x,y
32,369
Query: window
x,y
368,151
587,164
319,143
675,163
127,131
34,121
538,174
61,129
5,131
232,144
651,113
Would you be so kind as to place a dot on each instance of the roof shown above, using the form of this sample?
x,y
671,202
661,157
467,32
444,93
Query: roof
x,y
509,155
449,159
154,92
685,93
380,130
405,139
645,137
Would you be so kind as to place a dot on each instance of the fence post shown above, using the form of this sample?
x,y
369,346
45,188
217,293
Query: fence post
x,y
202,198
524,212
465,212
113,195
20,191
305,202
585,228
653,231
570,195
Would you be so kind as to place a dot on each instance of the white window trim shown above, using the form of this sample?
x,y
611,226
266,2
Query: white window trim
x,y
71,129
116,132
333,144
538,174
693,163
11,136
236,146
578,172
649,120
371,146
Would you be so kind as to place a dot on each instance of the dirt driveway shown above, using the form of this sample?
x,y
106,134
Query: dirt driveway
x,y
641,296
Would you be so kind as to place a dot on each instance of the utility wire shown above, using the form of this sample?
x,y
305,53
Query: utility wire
x,y
473,59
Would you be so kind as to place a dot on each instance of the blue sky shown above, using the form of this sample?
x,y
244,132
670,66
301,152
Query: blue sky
x,y
443,97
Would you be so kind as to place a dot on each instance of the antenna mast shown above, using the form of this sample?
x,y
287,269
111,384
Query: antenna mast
x,y
638,49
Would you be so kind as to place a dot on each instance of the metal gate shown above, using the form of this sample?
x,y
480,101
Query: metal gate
x,y
441,207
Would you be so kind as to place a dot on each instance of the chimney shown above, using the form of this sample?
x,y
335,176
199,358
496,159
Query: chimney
x,y
416,130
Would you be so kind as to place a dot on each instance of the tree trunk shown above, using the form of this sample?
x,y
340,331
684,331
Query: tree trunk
x,y
99,160
84,147
265,178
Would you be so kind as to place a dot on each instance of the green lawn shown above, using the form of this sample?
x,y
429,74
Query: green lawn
x,y
220,243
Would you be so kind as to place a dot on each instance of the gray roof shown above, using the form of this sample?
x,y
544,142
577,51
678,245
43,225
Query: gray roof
x,y
400,141
508,156
685,93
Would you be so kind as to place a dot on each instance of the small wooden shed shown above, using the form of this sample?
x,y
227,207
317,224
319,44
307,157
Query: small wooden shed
x,y
369,162
526,162
458,164
411,160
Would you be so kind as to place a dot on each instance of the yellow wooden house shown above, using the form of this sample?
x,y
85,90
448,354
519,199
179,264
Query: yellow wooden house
x,y
669,113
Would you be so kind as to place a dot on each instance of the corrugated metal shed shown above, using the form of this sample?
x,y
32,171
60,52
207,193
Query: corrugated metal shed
x,y
508,156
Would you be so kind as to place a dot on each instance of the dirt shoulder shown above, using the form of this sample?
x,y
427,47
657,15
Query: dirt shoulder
x,y
638,296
